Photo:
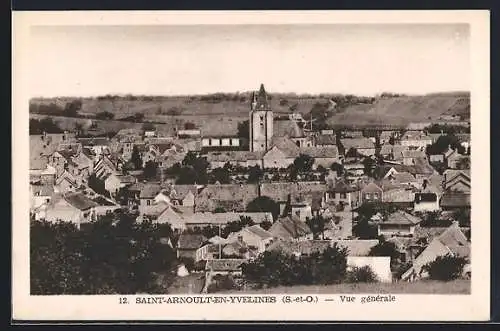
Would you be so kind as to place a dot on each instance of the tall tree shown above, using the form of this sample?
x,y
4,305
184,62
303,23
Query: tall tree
x,y
150,170
136,158
317,225
264,204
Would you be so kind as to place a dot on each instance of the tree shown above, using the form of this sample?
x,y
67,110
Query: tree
x,y
339,168
386,248
462,216
446,268
97,184
364,229
46,125
150,170
220,175
136,158
264,204
114,255
255,174
303,163
105,115
361,275
369,165
71,108
317,225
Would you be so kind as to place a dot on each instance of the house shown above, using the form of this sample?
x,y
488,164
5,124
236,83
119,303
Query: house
x,y
354,169
371,193
409,156
114,182
323,156
457,180
41,172
152,211
300,208
147,195
239,249
98,145
104,166
40,195
363,146
451,241
399,223
385,136
230,197
401,178
299,247
283,192
416,139
454,159
289,227
66,182
171,215
392,152
223,267
343,194
436,158
455,200
188,244
403,196
236,158
426,202
356,247
71,207
220,142
282,153
209,251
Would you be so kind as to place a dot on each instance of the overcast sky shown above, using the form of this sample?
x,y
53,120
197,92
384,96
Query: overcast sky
x,y
166,60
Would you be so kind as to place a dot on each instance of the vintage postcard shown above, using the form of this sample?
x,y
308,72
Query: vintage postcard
x,y
251,166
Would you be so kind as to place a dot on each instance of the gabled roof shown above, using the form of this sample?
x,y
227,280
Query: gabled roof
x,y
228,196
287,128
190,241
358,143
224,218
258,231
397,150
320,152
285,145
371,188
79,201
326,139
455,199
409,153
279,191
401,217
289,227
403,177
150,190
357,247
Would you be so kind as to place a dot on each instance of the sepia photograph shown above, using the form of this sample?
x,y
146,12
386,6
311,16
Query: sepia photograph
x,y
256,159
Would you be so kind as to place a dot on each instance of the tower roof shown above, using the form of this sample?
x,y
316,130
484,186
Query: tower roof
x,y
261,99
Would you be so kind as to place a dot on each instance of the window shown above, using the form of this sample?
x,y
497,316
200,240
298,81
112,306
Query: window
x,y
343,195
230,142
375,196
368,196
148,202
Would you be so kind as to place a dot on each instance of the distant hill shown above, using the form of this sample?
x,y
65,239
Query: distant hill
x,y
348,109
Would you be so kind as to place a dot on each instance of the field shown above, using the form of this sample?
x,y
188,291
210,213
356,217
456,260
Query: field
x,y
220,114
460,286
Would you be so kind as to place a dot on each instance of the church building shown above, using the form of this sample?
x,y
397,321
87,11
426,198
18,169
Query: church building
x,y
260,122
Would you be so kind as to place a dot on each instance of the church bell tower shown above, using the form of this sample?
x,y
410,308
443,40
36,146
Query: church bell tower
x,y
260,122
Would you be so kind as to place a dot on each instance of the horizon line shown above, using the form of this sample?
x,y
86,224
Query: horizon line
x,y
298,94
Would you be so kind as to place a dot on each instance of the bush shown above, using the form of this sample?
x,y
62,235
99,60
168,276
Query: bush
x,y
222,283
361,275
448,267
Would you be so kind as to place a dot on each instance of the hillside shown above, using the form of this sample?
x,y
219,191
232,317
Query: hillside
x,y
219,113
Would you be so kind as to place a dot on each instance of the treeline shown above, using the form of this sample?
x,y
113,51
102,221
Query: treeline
x,y
46,125
70,109
114,255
